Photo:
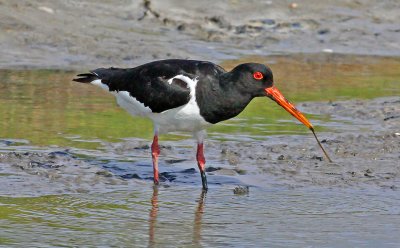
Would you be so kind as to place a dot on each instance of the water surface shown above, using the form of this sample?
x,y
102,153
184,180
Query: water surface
x,y
184,217
47,108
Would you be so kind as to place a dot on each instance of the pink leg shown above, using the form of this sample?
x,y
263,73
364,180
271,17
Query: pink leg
x,y
155,152
201,162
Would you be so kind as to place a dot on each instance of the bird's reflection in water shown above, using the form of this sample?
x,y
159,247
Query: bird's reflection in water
x,y
198,216
153,215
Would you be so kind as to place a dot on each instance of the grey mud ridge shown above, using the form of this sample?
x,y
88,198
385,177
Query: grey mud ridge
x,y
89,34
80,35
365,148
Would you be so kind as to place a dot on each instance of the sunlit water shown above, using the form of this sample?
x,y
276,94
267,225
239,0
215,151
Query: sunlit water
x,y
183,217
46,109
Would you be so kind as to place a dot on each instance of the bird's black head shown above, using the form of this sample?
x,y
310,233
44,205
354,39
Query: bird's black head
x,y
256,80
252,78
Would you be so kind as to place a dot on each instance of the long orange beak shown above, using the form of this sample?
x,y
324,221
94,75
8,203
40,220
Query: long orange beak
x,y
277,96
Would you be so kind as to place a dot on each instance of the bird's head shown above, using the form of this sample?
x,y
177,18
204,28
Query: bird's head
x,y
257,79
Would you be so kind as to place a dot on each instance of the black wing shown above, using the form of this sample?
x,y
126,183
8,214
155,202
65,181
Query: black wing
x,y
149,84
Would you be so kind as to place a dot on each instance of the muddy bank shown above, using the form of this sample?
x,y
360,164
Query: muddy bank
x,y
364,144
89,34
365,147
53,172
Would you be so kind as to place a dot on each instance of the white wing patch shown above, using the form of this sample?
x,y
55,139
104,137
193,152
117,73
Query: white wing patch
x,y
191,84
184,118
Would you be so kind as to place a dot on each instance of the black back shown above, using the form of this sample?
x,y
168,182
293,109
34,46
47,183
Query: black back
x,y
148,83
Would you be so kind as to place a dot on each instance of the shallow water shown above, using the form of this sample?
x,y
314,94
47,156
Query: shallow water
x,y
46,108
45,111
182,217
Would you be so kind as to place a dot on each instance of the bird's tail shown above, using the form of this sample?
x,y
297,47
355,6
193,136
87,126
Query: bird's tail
x,y
106,75
86,78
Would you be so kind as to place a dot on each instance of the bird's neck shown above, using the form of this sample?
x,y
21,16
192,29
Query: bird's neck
x,y
219,101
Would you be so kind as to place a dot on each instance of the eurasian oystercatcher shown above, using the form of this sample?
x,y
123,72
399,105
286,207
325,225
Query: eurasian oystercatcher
x,y
188,95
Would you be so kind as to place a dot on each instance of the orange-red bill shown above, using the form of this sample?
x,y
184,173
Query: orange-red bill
x,y
276,95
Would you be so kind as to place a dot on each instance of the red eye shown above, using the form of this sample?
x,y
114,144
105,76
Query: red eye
x,y
258,75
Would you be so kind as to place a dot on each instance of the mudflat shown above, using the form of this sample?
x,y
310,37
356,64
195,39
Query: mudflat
x,y
89,34
75,170
80,35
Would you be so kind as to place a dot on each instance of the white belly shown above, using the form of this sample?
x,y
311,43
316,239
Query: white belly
x,y
184,118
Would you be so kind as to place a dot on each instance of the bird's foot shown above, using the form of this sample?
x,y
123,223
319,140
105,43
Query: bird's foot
x,y
204,181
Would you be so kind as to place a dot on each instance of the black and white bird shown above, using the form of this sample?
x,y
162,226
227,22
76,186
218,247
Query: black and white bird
x,y
187,95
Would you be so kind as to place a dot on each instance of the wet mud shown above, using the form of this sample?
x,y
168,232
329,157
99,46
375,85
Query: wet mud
x,y
364,144
364,147
91,34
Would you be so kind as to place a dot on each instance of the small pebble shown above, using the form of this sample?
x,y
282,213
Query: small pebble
x,y
323,31
241,190
104,173
46,9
